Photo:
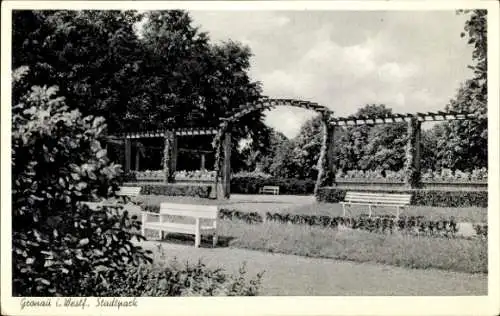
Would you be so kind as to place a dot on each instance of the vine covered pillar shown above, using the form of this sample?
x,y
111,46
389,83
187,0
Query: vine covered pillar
x,y
169,156
166,157
226,167
326,165
413,152
173,156
222,163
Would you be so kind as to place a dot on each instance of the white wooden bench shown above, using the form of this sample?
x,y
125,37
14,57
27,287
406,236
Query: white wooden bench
x,y
270,189
196,212
128,192
399,201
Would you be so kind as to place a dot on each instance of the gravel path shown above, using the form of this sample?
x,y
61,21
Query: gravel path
x,y
302,276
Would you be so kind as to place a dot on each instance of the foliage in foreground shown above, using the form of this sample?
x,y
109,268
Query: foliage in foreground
x,y
178,279
57,162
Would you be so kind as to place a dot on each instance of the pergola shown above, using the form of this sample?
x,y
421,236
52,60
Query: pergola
x,y
326,168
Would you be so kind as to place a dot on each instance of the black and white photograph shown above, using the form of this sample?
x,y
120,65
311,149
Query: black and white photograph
x,y
272,149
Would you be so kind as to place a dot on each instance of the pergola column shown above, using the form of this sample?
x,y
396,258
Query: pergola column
x,y
174,151
128,154
413,152
226,166
326,165
202,162
137,158
170,156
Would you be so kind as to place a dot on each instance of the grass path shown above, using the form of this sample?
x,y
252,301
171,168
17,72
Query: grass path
x,y
298,276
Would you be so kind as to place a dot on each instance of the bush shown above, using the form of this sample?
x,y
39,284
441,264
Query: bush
x,y
252,185
57,162
419,197
173,189
176,280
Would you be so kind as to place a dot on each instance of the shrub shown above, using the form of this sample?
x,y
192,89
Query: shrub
x,y
57,162
176,280
173,189
419,197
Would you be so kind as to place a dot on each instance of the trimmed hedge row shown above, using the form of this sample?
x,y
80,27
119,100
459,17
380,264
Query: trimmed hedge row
x,y
419,197
252,185
172,189
412,225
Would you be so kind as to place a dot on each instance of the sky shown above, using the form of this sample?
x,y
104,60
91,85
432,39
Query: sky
x,y
409,60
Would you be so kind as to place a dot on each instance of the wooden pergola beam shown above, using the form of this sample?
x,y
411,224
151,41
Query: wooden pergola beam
x,y
394,118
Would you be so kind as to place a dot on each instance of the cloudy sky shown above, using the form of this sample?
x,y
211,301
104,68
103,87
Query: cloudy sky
x,y
409,60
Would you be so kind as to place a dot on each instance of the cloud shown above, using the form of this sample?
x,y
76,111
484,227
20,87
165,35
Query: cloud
x,y
410,61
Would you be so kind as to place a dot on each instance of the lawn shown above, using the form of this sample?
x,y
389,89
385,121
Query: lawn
x,y
459,254
295,275
462,255
307,205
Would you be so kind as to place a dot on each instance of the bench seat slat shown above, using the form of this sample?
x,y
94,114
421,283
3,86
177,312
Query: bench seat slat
x,y
189,210
377,202
177,227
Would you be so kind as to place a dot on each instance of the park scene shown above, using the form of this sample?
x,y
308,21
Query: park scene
x,y
188,153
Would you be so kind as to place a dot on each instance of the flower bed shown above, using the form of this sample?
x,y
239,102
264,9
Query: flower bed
x,y
182,175
442,176
174,189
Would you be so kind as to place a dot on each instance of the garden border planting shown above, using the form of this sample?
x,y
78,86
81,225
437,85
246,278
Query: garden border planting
x,y
423,197
174,189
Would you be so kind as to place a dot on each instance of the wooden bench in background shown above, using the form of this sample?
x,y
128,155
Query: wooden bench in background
x,y
127,193
270,190
196,212
399,201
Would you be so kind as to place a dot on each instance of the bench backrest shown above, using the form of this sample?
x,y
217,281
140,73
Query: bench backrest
x,y
378,198
129,191
189,210
270,187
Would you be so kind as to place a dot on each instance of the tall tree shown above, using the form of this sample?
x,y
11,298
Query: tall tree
x,y
92,56
465,143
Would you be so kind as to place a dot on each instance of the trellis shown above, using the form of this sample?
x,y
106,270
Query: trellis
x,y
326,168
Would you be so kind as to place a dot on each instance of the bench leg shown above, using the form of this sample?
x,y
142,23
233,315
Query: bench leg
x,y
214,240
343,208
197,240
197,236
160,234
143,224
369,210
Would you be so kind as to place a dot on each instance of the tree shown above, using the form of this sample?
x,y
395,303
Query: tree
x,y
377,147
167,75
464,144
92,56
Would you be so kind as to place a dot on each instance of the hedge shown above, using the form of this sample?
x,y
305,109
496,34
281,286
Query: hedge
x,y
422,197
252,185
173,189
